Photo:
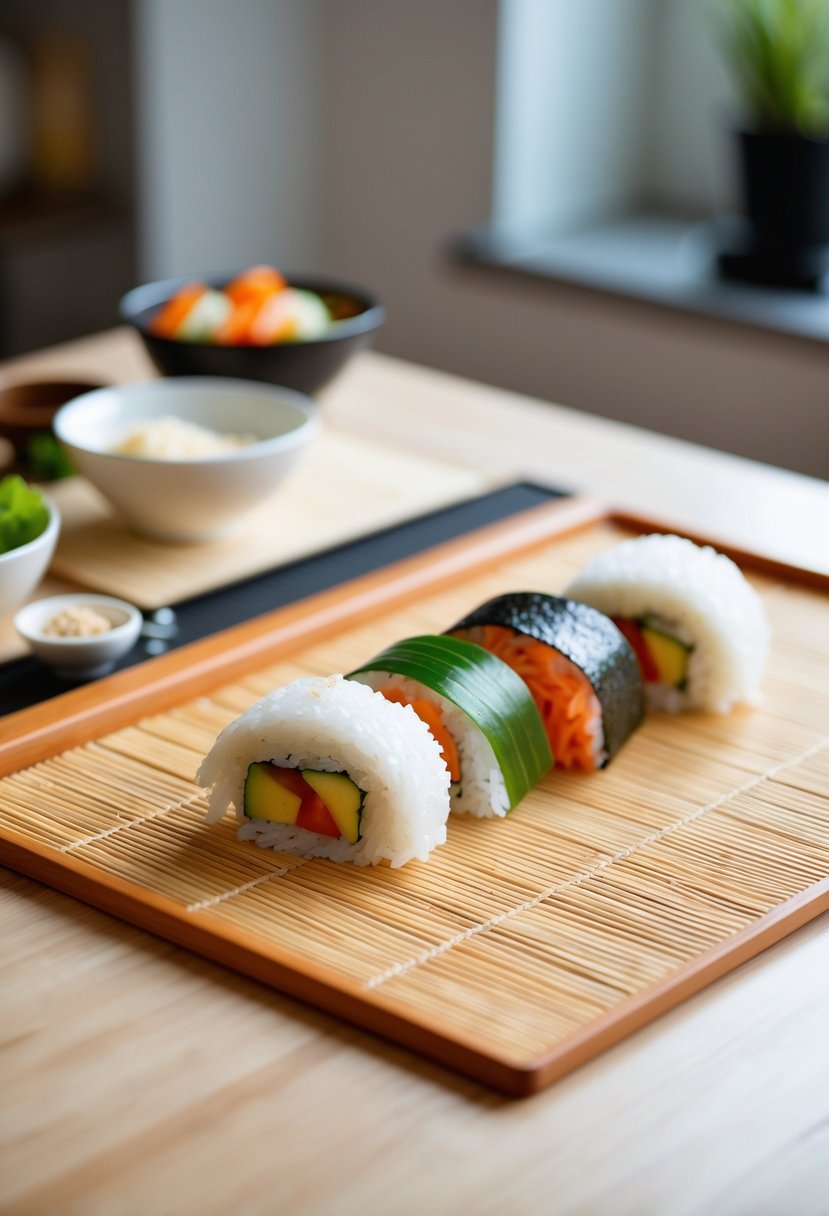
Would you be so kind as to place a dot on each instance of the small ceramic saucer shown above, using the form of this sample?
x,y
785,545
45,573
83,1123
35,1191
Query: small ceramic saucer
x,y
80,658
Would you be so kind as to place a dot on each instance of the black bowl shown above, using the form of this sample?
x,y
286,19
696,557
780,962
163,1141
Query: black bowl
x,y
305,366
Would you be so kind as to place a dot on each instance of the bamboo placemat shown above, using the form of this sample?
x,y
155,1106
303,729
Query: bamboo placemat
x,y
523,947
343,488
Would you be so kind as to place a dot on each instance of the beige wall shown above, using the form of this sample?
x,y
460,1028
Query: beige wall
x,y
229,105
408,152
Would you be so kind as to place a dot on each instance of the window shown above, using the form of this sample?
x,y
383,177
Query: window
x,y
607,108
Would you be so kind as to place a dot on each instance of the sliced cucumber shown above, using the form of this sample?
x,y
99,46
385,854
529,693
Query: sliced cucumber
x,y
488,691
265,798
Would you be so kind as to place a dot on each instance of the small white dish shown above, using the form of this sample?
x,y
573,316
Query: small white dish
x,y
83,658
21,569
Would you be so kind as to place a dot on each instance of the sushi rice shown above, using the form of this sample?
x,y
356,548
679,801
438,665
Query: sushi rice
x,y
703,599
335,725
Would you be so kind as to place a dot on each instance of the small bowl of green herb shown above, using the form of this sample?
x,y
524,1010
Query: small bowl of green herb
x,y
29,527
26,412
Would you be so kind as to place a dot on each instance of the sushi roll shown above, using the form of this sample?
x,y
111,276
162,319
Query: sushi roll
x,y
481,713
697,626
324,767
581,672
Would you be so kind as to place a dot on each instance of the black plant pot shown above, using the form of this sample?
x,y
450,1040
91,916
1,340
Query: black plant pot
x,y
785,195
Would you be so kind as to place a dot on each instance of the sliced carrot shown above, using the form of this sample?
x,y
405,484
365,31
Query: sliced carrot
x,y
236,329
170,316
564,696
432,715
255,284
274,320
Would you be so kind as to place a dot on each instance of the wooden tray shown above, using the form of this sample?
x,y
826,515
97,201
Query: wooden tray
x,y
523,947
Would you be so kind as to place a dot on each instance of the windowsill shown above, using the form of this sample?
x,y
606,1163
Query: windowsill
x,y
653,259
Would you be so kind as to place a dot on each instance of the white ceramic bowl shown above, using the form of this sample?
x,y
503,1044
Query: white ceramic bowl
x,y
80,658
22,569
188,500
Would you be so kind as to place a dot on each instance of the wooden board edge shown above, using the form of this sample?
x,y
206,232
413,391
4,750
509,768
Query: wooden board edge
x,y
759,562
87,712
312,984
231,947
639,1011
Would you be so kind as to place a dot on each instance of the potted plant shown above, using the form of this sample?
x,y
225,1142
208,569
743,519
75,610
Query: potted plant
x,y
778,51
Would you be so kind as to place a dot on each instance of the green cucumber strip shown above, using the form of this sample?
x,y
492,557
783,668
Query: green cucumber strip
x,y
488,691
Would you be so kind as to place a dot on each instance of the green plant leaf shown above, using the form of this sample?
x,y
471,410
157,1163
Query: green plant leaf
x,y
778,51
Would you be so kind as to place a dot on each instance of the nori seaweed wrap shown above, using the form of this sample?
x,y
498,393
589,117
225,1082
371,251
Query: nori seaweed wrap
x,y
580,669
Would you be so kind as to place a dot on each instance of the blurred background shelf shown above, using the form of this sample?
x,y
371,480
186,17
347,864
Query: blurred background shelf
x,y
47,243
68,218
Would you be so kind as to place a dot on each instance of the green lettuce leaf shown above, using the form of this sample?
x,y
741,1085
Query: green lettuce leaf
x,y
23,513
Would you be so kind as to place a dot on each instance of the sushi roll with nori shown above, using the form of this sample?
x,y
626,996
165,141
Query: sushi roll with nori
x,y
325,767
581,672
481,713
697,626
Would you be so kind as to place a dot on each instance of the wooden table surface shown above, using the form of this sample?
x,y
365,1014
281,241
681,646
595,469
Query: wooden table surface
x,y
135,1078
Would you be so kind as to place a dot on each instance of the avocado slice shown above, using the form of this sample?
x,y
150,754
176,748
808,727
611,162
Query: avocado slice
x,y
343,799
669,655
266,798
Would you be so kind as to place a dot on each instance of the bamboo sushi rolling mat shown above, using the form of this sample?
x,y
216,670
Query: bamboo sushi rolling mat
x,y
523,947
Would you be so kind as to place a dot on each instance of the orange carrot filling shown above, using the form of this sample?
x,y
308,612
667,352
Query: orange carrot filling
x,y
432,715
568,705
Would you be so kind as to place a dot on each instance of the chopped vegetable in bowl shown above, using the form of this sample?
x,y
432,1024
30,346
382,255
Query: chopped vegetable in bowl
x,y
257,308
23,513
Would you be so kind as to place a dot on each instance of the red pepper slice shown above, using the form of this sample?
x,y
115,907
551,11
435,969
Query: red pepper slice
x,y
632,631
315,816
290,779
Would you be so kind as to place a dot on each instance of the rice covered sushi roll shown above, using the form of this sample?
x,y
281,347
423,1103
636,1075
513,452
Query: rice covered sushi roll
x,y
698,628
582,674
481,713
325,767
